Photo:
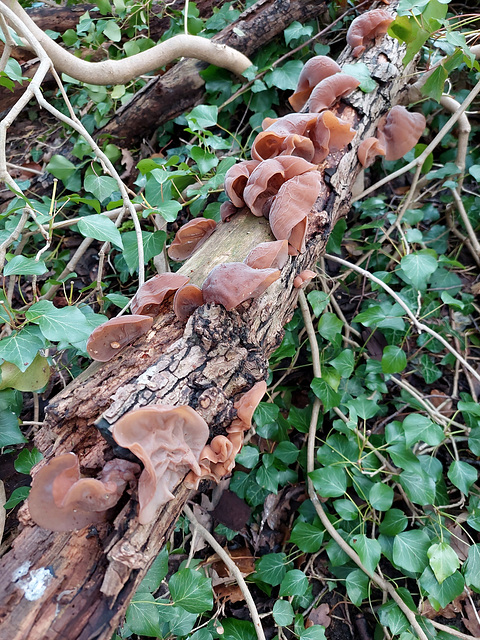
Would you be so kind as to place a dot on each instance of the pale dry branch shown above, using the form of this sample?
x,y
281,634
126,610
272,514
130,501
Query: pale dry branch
x,y
111,72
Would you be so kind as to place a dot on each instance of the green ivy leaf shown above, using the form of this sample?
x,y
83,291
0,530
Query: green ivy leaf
x,y
419,486
21,348
441,594
443,560
435,83
307,537
202,117
410,550
357,586
112,31
9,430
22,266
394,359
61,168
330,326
394,521
344,363
152,245
27,459
283,613
369,551
67,324
234,629
391,616
324,391
462,475
248,456
101,187
471,567
361,72
18,495
420,428
272,568
284,77
417,268
329,482
205,160
157,572
142,615
381,496
295,583
101,228
190,590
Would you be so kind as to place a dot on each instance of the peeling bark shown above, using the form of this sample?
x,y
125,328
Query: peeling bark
x,y
206,364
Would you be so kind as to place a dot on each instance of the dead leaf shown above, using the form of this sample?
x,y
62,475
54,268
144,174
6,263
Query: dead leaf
x,y
459,541
320,615
450,612
471,621
242,557
229,592
129,162
231,511
442,402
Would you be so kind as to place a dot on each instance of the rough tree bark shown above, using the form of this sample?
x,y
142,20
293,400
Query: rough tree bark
x,y
77,585
179,89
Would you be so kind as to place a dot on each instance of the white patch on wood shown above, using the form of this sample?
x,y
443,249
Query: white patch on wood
x,y
21,571
36,583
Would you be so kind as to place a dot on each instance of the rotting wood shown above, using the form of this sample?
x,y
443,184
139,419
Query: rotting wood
x,y
88,580
181,87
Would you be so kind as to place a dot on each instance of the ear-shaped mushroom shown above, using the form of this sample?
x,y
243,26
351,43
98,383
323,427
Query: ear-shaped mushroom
x,y
268,255
248,402
216,460
109,338
303,278
331,134
267,179
227,211
365,28
285,136
315,70
399,131
231,283
186,300
60,500
236,179
190,237
289,211
168,440
368,150
328,91
149,297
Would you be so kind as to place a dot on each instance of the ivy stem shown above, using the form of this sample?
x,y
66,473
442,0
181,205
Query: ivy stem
x,y
232,567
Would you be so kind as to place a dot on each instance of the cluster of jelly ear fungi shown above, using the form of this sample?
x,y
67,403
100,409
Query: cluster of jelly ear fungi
x,y
282,183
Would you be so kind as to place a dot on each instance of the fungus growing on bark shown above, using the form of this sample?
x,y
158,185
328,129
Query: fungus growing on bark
x,y
109,338
60,500
399,131
227,211
267,179
288,135
315,70
304,278
331,134
148,299
168,440
328,91
190,237
217,459
186,300
232,283
236,179
365,28
268,255
290,208
368,150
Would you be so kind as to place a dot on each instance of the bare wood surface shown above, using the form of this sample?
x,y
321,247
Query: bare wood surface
x,y
180,88
86,582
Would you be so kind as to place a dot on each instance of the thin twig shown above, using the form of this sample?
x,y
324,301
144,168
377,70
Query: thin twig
x,y
232,567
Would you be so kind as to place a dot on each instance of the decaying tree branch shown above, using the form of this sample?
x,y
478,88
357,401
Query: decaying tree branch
x,y
61,585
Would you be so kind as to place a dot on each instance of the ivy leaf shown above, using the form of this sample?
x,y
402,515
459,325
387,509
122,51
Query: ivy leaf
x,y
319,300
283,613
101,187
34,378
441,594
329,482
417,268
307,537
419,486
284,77
471,568
202,117
9,430
394,522
381,496
420,428
152,246
391,616
394,359
344,363
330,326
410,550
462,475
101,228
248,456
157,572
443,560
22,266
369,551
67,324
272,568
324,391
360,71
435,83
61,168
21,348
142,615
357,586
295,583
112,31
18,495
238,629
27,459
190,590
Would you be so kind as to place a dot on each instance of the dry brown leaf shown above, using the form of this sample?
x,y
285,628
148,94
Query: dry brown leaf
x,y
229,593
129,162
242,557
459,540
451,610
320,615
442,402
471,621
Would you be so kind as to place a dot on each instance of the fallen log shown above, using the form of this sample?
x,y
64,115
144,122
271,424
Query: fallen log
x,y
181,87
77,585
